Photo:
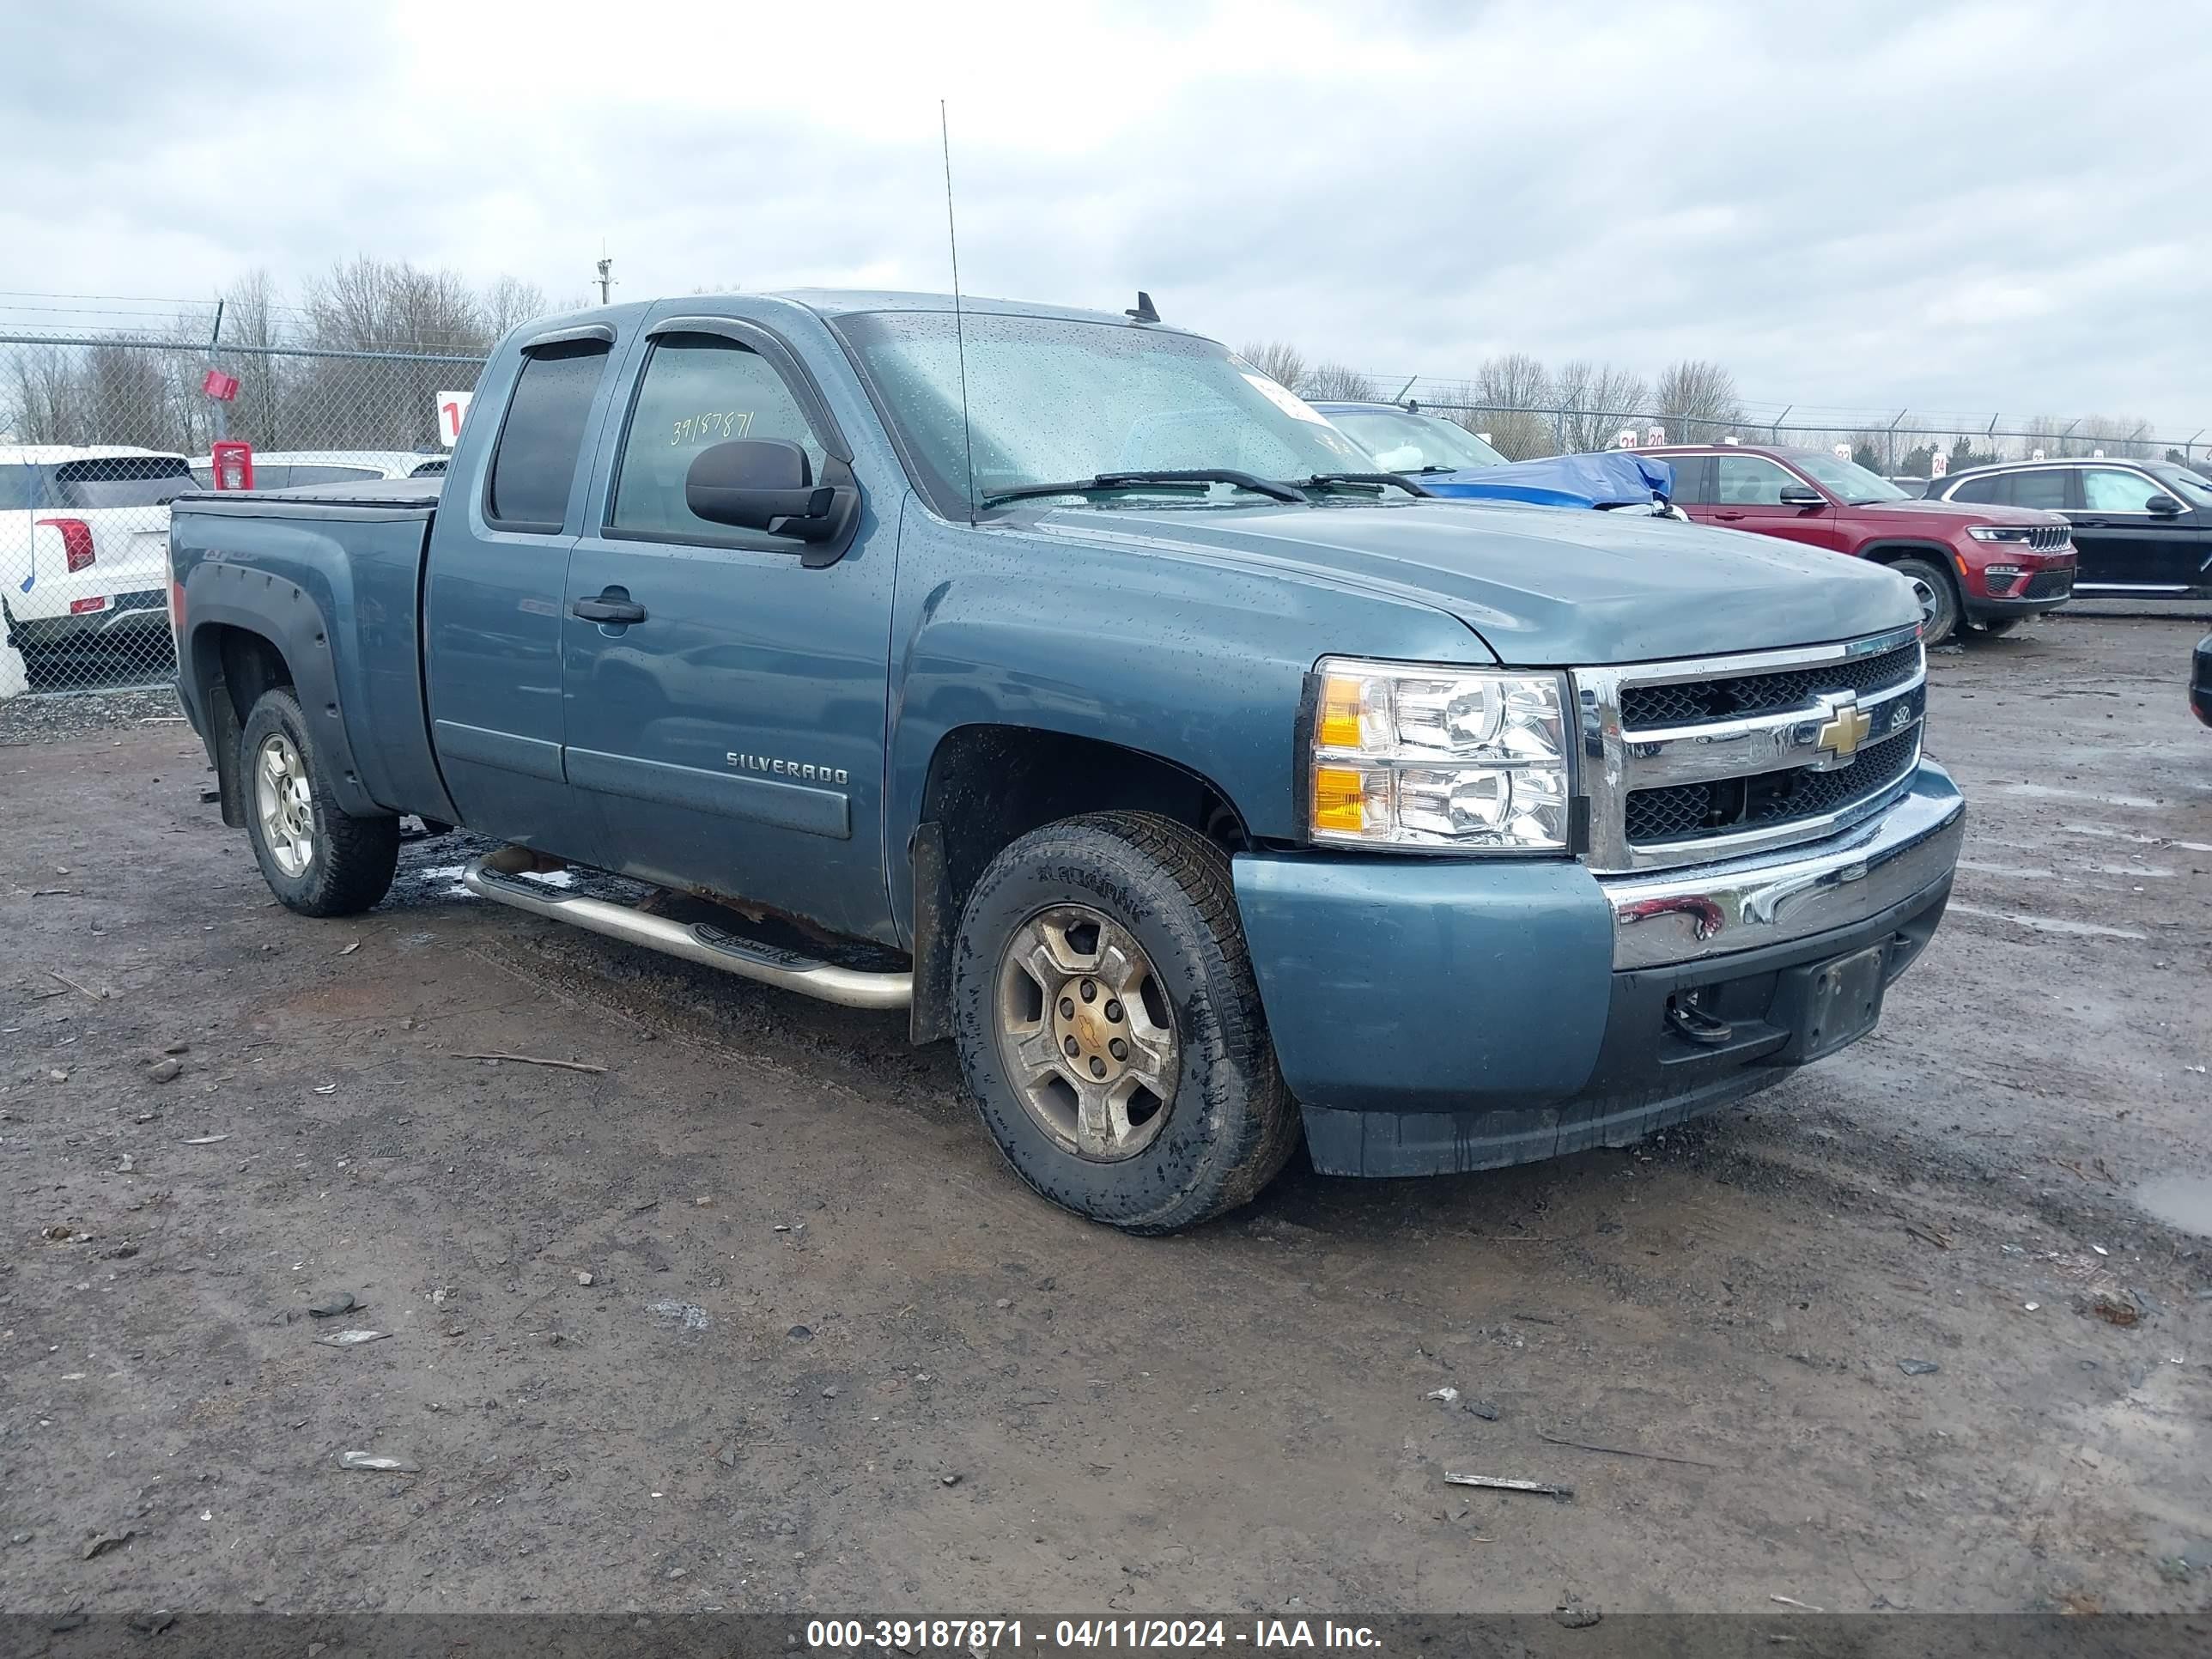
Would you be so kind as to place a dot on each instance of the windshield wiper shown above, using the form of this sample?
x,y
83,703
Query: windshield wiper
x,y
1111,481
1365,480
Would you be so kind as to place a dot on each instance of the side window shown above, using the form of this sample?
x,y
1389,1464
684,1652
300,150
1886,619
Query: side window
x,y
535,461
1748,481
2045,488
1988,490
698,389
1693,478
20,486
2108,490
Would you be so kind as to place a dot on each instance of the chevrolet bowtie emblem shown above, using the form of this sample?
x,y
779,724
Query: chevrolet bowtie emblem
x,y
1844,730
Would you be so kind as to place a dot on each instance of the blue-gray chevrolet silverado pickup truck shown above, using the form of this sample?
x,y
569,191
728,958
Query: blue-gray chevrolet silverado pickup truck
x,y
1058,679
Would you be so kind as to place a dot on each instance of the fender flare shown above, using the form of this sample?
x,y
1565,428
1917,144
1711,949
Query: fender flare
x,y
218,593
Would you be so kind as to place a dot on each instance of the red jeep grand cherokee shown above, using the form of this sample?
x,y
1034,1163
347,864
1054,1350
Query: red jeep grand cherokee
x,y
1986,566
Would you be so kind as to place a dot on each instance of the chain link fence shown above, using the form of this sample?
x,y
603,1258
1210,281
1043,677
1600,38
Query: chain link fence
x,y
99,432
1902,444
99,435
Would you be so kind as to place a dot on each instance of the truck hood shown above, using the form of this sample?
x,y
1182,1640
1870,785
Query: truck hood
x,y
1540,585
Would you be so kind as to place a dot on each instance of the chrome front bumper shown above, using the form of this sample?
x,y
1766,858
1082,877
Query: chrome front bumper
x,y
1685,916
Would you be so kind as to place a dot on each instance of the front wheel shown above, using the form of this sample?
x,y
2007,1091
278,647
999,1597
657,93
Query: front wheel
x,y
1939,600
317,859
1109,1027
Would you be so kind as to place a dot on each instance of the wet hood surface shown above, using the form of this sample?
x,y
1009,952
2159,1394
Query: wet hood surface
x,y
1540,586
1915,507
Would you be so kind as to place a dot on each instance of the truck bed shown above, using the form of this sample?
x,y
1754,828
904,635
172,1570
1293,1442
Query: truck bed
x,y
283,564
383,497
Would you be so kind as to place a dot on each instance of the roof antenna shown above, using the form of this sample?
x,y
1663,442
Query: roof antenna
x,y
1143,311
959,326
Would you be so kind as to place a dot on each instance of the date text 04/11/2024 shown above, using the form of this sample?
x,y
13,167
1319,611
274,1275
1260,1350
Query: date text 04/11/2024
x,y
978,1635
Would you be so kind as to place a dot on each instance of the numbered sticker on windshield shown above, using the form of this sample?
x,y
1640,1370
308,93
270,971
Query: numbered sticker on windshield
x,y
1285,399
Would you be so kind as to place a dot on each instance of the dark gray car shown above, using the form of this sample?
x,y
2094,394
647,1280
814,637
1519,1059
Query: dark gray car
x,y
2142,529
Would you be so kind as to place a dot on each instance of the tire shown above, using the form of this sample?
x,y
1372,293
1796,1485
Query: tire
x,y
1222,1125
1997,627
1938,599
348,862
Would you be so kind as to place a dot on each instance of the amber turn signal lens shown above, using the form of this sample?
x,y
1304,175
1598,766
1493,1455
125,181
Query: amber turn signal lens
x,y
1339,713
1340,799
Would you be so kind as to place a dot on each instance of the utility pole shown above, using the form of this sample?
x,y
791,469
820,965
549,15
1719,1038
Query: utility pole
x,y
606,277
215,342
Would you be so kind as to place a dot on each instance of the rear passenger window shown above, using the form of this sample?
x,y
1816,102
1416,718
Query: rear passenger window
x,y
2045,488
700,390
535,461
1693,479
1981,492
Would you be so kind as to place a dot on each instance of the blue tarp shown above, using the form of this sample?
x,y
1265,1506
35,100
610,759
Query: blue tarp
x,y
1610,477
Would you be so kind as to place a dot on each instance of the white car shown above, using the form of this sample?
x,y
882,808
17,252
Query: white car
x,y
84,540
286,469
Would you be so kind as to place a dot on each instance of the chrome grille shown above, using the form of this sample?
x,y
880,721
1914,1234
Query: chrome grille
x,y
2050,538
1684,811
1689,702
1690,762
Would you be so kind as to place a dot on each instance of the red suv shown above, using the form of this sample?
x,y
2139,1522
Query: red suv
x,y
1983,567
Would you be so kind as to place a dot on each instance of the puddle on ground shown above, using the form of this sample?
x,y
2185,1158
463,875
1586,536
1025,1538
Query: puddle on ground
x,y
2182,1201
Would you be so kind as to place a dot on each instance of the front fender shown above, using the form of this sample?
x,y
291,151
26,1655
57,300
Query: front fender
x,y
1194,659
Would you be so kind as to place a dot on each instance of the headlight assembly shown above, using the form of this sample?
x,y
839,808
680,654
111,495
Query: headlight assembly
x,y
1444,759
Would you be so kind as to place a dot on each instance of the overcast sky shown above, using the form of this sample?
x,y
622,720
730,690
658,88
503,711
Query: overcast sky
x,y
1948,206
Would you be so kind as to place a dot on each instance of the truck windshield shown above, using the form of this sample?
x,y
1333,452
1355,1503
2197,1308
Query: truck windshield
x,y
1051,398
1403,442
1848,479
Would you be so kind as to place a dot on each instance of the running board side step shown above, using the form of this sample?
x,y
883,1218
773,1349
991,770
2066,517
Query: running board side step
x,y
497,876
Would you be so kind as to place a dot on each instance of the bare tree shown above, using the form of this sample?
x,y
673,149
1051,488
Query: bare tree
x,y
1515,393
1597,401
389,305
1334,382
41,394
1278,360
1697,401
510,301
408,317
251,320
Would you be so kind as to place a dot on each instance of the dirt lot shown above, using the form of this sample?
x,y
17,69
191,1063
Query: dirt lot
x,y
830,1357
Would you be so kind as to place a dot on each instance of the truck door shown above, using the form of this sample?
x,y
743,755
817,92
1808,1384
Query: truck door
x,y
725,702
494,595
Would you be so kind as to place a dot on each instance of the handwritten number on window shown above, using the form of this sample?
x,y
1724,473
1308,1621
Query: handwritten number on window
x,y
711,427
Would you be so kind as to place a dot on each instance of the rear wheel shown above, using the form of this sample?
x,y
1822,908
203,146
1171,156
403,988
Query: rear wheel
x,y
1109,1027
1938,599
317,859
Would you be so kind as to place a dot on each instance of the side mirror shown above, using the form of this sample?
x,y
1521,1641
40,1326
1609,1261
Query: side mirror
x,y
767,484
2163,506
1797,494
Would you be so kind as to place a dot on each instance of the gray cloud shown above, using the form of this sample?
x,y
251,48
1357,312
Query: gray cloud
x,y
1945,206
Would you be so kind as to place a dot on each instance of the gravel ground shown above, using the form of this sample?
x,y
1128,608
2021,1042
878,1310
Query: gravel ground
x,y
753,1318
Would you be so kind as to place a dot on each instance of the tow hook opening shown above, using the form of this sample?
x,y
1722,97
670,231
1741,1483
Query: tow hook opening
x,y
1694,1023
